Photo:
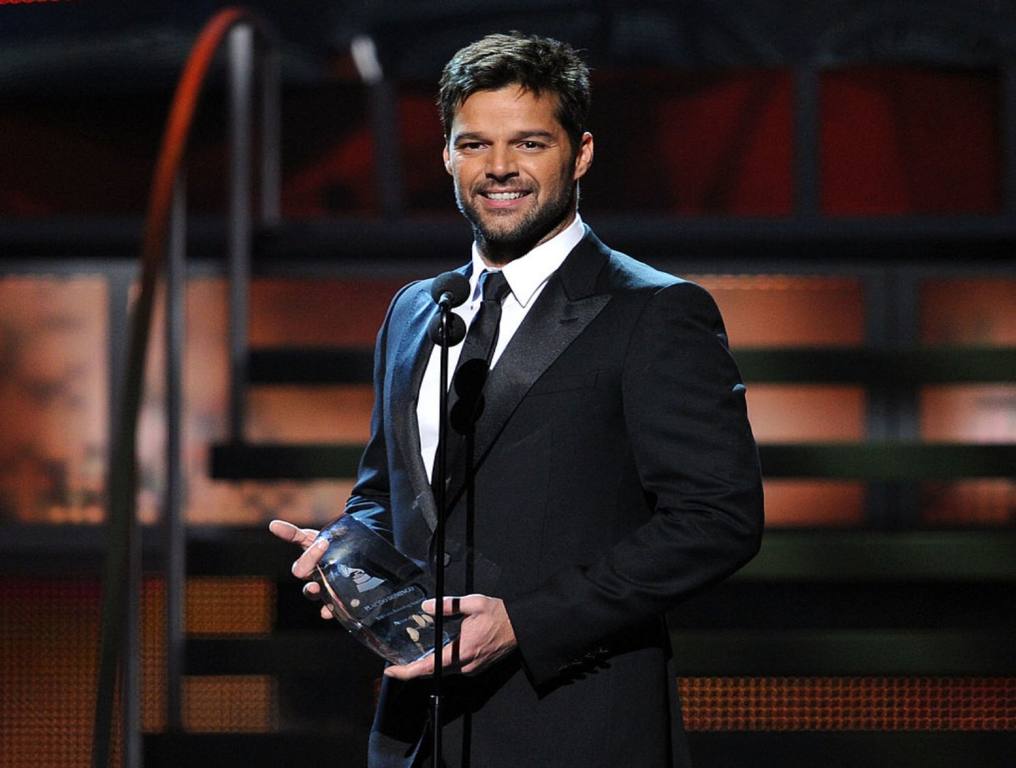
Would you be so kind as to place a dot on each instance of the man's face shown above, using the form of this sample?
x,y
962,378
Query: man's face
x,y
514,169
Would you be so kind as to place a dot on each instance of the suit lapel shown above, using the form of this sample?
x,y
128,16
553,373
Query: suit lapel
x,y
563,310
411,360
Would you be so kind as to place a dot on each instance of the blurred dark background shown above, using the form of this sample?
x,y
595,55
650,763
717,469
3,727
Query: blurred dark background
x,y
840,174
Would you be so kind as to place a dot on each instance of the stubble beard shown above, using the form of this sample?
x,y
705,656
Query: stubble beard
x,y
502,242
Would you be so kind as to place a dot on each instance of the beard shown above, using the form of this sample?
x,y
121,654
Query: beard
x,y
504,239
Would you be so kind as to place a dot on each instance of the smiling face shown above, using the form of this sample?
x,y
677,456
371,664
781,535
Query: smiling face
x,y
515,170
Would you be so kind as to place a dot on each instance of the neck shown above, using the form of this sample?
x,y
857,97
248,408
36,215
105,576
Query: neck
x,y
498,253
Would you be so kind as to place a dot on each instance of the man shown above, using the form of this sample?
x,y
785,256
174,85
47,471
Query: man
x,y
613,468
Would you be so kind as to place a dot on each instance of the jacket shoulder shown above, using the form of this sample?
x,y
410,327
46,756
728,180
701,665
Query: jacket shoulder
x,y
625,273
640,286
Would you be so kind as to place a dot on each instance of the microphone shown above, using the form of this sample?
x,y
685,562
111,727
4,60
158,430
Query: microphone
x,y
456,330
449,290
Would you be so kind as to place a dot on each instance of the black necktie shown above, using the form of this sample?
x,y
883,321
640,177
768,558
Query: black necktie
x,y
482,334
465,398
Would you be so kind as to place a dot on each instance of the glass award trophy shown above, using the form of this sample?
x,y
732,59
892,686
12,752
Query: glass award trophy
x,y
375,592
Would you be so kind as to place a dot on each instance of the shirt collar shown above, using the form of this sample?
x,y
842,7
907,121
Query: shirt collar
x,y
527,273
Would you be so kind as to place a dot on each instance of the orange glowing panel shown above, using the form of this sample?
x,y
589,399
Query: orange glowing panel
x,y
283,313
782,413
813,503
284,414
969,311
54,421
215,606
230,704
799,311
983,502
848,703
788,311
971,413
319,312
288,415
975,312
792,414
49,630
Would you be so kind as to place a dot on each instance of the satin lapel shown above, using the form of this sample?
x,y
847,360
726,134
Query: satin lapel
x,y
553,323
410,363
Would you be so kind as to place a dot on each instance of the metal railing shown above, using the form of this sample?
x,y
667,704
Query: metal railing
x,y
251,51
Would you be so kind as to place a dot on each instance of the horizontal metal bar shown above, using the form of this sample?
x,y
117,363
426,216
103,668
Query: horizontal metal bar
x,y
65,229
861,461
346,365
889,460
936,243
719,748
345,737
853,749
815,603
674,240
246,461
845,556
871,367
284,653
883,367
843,652
696,652
827,556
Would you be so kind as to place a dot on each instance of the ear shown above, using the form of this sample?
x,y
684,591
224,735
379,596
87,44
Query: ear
x,y
584,157
447,159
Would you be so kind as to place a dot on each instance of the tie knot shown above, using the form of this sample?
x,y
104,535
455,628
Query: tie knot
x,y
494,286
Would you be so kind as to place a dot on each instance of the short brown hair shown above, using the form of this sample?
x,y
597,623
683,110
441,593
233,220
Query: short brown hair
x,y
537,64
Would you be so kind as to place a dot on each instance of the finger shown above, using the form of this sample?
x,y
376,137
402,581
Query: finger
x,y
419,668
425,667
326,612
312,590
451,656
305,564
451,659
289,532
454,606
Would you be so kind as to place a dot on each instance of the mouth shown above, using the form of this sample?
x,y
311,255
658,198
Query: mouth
x,y
503,198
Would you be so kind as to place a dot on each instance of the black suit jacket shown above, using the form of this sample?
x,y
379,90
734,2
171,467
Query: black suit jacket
x,y
615,474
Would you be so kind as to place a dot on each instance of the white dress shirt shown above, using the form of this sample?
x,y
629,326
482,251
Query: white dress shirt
x,y
526,277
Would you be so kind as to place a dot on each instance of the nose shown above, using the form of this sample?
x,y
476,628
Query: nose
x,y
501,164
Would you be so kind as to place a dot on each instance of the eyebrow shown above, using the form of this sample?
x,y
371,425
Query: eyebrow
x,y
517,136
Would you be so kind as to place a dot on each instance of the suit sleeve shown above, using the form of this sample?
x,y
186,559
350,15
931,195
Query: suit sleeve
x,y
686,419
370,500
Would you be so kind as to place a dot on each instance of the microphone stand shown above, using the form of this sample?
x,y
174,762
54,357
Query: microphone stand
x,y
449,290
440,463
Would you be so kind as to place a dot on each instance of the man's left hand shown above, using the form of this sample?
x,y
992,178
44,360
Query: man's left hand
x,y
486,635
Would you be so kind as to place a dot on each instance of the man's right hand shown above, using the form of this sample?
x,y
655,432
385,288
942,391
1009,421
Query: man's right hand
x,y
304,566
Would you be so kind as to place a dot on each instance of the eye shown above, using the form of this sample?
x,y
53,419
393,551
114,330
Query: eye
x,y
470,146
531,145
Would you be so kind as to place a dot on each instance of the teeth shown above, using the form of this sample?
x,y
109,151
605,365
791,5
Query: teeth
x,y
504,195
